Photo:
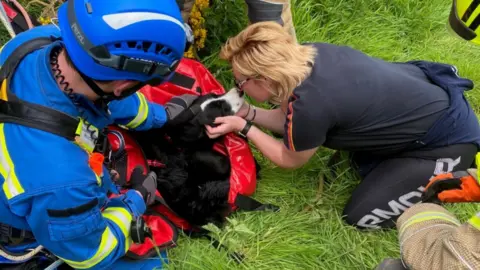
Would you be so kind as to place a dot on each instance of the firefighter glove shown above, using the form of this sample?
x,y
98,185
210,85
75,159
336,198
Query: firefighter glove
x,y
145,184
461,186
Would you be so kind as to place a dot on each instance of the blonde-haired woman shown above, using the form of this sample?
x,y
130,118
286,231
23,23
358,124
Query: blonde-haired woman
x,y
402,122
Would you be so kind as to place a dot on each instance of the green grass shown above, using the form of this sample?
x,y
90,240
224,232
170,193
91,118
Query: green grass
x,y
318,239
396,30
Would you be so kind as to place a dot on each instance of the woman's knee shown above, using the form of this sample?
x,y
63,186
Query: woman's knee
x,y
373,217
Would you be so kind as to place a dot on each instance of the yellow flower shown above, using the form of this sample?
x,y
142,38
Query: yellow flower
x,y
44,21
202,4
189,53
197,22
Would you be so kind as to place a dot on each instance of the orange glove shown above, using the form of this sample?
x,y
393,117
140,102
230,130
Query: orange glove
x,y
462,186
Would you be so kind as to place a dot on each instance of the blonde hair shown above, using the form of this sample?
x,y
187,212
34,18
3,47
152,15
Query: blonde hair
x,y
265,49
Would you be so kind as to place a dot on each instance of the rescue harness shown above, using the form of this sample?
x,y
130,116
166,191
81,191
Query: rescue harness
x,y
17,111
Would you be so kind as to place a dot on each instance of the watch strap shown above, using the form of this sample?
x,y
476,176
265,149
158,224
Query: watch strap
x,y
245,129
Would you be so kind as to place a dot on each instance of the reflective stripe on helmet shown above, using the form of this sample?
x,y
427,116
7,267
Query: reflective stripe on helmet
x,y
469,14
120,20
465,9
464,19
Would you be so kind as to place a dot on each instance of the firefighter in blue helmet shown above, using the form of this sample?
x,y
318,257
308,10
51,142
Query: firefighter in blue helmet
x,y
100,54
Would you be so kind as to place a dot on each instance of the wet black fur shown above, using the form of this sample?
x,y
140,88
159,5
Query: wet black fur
x,y
196,180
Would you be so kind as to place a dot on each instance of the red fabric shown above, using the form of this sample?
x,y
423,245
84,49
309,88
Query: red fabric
x,y
204,80
243,177
164,232
178,221
11,14
135,154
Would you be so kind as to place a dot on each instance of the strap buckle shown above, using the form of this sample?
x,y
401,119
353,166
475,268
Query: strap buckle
x,y
104,146
86,135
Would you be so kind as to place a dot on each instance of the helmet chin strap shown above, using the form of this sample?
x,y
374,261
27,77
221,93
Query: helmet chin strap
x,y
105,98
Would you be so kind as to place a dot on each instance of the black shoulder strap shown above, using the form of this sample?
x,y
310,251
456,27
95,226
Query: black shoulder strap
x,y
16,111
19,53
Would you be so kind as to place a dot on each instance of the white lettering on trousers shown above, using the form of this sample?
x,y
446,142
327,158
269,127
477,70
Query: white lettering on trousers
x,y
397,207
445,165
377,216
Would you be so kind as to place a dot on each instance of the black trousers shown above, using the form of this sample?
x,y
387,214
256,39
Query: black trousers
x,y
389,186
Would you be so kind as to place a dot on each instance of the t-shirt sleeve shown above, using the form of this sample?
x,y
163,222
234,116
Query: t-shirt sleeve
x,y
307,123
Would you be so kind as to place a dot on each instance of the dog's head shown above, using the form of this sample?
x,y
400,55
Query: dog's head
x,y
217,106
207,108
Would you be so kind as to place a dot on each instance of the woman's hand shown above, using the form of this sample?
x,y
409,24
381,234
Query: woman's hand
x,y
226,125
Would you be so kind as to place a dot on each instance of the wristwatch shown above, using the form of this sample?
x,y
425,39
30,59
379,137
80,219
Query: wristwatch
x,y
245,129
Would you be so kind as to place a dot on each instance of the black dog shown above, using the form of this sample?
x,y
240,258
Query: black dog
x,y
195,181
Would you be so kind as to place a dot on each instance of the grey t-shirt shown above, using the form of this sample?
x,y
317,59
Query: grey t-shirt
x,y
355,102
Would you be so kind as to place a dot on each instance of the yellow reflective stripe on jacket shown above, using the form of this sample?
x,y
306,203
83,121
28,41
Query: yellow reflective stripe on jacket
x,y
475,221
11,186
123,219
107,245
141,114
425,216
99,180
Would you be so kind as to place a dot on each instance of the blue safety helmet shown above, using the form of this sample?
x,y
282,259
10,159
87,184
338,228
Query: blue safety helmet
x,y
139,40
